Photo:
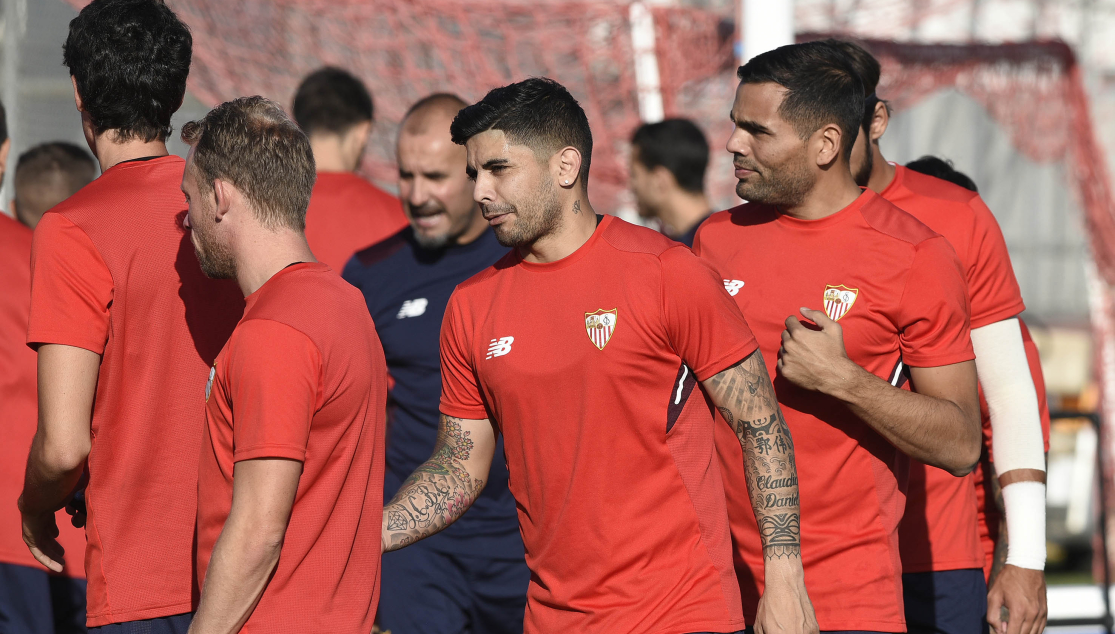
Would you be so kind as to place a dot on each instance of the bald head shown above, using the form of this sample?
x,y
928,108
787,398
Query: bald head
x,y
433,184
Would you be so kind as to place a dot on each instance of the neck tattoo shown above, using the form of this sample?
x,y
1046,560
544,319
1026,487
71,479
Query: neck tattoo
x,y
576,206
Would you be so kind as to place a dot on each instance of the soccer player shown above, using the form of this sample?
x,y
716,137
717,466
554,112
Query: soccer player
x,y
941,554
347,213
126,328
471,577
291,474
584,348
844,292
46,175
992,530
32,600
668,162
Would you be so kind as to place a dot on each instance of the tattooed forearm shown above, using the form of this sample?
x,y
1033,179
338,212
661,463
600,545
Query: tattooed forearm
x,y
438,492
745,397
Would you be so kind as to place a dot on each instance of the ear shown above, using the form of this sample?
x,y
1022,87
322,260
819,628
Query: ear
x,y
224,193
879,122
5,149
358,134
663,179
827,142
567,166
77,95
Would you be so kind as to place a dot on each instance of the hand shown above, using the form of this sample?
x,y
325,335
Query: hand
x,y
812,358
785,607
1022,592
40,533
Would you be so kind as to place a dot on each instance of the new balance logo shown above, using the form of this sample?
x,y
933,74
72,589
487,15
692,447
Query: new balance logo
x,y
733,286
499,347
412,308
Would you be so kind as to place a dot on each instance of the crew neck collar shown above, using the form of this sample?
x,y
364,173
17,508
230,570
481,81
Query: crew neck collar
x,y
144,161
286,270
572,258
866,195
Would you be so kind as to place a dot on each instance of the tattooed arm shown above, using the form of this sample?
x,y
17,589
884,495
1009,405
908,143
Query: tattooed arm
x,y
442,488
745,397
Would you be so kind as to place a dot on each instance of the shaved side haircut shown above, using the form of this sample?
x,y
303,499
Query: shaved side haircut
x,y
537,112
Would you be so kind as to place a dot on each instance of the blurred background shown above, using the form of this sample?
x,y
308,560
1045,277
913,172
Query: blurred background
x,y
1019,94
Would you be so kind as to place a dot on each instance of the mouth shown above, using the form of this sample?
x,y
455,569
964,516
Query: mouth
x,y
742,172
496,218
427,219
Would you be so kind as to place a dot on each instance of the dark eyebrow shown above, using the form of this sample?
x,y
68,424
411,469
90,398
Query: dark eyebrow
x,y
495,163
753,127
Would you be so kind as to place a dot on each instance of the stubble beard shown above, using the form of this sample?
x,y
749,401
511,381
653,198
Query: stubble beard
x,y
786,185
215,259
863,174
533,222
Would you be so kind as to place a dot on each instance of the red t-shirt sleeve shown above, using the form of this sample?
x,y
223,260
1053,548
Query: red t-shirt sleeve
x,y
274,385
706,327
933,312
991,282
71,287
460,390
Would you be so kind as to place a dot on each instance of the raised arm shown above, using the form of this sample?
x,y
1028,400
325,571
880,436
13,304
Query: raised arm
x,y
441,489
745,397
938,423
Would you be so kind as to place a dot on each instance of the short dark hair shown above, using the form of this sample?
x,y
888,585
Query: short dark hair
x,y
332,100
130,59
944,170
869,71
3,123
679,146
537,112
821,87
49,173
252,144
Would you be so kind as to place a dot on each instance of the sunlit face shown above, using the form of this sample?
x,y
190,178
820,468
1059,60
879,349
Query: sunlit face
x,y
641,181
516,190
863,159
214,256
771,159
435,190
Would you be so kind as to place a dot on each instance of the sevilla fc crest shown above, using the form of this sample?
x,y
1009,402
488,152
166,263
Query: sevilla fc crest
x,y
839,300
600,326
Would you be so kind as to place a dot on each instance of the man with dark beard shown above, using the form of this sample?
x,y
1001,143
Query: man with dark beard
x,y
472,577
289,482
583,348
892,296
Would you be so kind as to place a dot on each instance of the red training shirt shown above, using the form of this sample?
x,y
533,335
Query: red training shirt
x,y
303,377
989,516
588,366
347,214
899,293
19,402
939,531
113,271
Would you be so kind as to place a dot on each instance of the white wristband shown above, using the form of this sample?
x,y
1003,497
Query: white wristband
x,y
1025,509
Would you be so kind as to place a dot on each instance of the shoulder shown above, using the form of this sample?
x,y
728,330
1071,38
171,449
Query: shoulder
x,y
14,233
886,218
384,250
932,187
354,186
481,281
626,237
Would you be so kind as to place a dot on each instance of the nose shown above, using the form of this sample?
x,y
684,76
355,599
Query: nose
x,y
417,196
186,220
482,190
737,143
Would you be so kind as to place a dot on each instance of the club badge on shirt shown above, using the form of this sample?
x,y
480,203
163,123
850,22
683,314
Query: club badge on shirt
x,y
600,326
209,383
839,300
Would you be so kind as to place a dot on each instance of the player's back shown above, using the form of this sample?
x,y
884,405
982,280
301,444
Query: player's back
x,y
114,272
347,214
582,364
327,577
897,291
19,403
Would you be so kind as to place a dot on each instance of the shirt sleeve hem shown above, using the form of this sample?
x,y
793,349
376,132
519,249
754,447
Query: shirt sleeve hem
x,y
935,361
41,337
1013,310
464,412
727,360
270,451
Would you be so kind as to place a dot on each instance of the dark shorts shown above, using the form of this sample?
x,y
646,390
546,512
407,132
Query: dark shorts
x,y
33,601
177,624
945,602
426,591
